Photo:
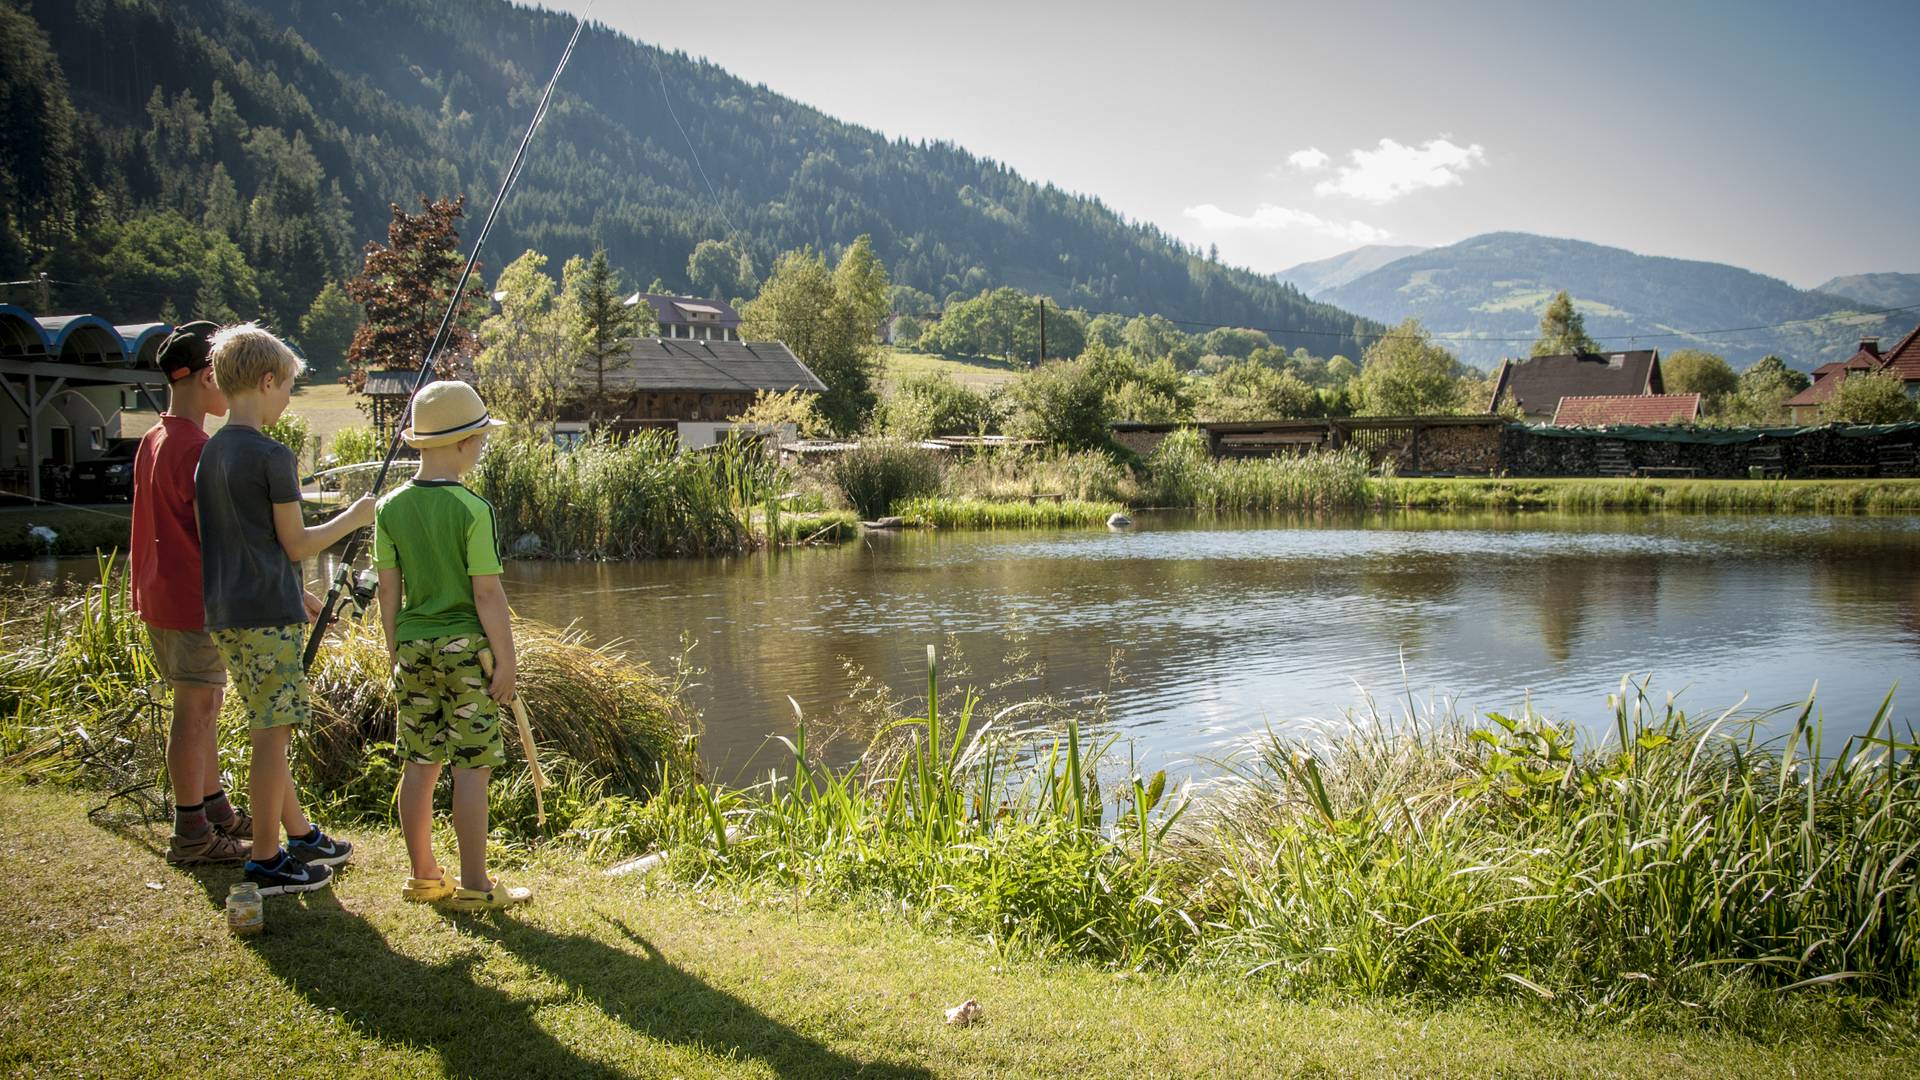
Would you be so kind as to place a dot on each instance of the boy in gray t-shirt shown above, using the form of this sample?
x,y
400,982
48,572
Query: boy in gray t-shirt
x,y
252,538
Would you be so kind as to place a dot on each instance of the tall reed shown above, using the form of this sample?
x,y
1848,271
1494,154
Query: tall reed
x,y
636,497
963,513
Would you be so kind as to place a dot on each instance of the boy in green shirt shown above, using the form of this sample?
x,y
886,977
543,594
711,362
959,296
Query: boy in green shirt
x,y
441,604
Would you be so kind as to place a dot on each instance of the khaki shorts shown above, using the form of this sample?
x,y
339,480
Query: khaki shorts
x,y
443,715
267,674
187,658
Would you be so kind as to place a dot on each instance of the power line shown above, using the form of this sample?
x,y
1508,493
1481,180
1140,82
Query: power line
x,y
654,55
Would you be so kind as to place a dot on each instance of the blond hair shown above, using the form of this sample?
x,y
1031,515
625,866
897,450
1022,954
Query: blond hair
x,y
244,354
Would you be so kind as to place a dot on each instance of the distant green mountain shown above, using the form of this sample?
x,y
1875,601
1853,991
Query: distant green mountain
x,y
289,126
1876,290
1320,275
1495,286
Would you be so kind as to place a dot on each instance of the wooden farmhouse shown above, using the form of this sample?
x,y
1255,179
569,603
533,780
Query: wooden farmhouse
x,y
688,386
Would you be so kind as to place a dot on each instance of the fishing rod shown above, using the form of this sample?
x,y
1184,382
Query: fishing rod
x,y
361,592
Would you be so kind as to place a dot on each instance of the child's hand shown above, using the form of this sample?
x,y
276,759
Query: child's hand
x,y
361,512
313,604
501,688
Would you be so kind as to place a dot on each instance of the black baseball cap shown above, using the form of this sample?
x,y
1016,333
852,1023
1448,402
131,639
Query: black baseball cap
x,y
185,350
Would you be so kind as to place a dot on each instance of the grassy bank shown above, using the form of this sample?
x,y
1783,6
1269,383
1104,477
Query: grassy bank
x,y
76,532
941,512
1755,496
107,976
1682,874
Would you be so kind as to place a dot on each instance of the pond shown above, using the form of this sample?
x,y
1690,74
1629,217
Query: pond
x,y
1202,631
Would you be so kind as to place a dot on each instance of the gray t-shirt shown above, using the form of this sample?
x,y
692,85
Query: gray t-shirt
x,y
246,577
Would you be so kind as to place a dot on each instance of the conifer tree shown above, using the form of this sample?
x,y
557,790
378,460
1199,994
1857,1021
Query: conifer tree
x,y
1563,330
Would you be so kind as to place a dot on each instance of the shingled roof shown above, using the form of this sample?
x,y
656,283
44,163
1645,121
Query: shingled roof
x,y
1904,359
655,364
1537,384
1637,409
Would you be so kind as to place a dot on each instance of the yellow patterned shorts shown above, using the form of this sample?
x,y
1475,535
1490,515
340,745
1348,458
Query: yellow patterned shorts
x,y
443,714
264,673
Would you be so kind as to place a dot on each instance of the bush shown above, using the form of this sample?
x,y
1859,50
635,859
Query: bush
x,y
291,431
881,472
936,404
354,445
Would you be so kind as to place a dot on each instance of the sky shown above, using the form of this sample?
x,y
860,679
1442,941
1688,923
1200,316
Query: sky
x,y
1784,138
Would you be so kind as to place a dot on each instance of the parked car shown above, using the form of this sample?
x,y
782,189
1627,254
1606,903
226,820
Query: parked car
x,y
109,477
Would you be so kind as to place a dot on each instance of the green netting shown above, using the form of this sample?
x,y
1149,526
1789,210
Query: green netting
x,y
1712,436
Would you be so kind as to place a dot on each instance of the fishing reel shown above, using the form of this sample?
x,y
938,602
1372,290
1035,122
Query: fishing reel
x,y
356,591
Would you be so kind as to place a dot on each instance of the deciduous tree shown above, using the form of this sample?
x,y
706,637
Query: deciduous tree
x,y
1693,371
405,287
1876,398
1406,374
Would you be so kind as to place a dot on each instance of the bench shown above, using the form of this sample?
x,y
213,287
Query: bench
x,y
1840,470
1687,471
1051,496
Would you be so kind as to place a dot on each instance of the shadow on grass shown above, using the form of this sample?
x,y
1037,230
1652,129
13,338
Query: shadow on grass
x,y
338,961
660,1000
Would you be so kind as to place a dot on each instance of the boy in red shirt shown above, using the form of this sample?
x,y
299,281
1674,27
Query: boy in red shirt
x,y
165,564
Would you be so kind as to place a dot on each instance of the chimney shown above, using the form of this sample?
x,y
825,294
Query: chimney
x,y
1870,346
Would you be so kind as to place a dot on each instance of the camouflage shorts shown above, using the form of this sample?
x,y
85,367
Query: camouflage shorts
x,y
264,673
444,716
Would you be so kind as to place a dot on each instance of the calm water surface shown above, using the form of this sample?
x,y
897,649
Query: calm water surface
x,y
1219,628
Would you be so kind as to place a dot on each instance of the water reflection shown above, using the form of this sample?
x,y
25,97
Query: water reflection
x,y
1225,626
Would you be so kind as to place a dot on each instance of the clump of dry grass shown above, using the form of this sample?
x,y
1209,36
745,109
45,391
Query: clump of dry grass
x,y
617,718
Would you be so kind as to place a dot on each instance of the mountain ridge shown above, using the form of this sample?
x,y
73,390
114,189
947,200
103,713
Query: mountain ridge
x,y
1320,275
1485,295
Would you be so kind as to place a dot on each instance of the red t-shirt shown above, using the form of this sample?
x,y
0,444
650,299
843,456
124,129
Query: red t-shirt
x,y
165,559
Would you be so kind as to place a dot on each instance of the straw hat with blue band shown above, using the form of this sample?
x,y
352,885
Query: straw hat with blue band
x,y
446,412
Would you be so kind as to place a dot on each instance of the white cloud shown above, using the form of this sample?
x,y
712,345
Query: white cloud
x,y
1383,175
1309,159
1270,218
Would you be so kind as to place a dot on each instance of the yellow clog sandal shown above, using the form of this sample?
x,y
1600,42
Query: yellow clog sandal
x,y
427,890
500,896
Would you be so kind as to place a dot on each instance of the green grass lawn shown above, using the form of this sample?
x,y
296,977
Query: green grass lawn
x,y
117,965
77,531
979,374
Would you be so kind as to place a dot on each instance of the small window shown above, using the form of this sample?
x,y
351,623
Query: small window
x,y
96,439
1617,361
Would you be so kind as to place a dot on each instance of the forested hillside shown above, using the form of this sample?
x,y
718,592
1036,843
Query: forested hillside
x,y
153,146
1495,287
1877,290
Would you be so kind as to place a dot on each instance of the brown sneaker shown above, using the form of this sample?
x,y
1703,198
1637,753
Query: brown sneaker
x,y
240,827
214,847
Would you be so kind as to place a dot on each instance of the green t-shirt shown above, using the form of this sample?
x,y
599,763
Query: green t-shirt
x,y
440,536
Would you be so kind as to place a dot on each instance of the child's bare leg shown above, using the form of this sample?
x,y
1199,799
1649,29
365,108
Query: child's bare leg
x,y
416,817
269,783
193,752
470,825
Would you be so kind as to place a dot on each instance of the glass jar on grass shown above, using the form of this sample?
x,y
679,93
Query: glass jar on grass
x,y
246,910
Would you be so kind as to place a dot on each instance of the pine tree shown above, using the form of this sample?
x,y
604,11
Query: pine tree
x,y
1563,330
602,320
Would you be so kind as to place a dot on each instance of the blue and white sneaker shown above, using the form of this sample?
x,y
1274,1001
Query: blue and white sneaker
x,y
319,849
283,874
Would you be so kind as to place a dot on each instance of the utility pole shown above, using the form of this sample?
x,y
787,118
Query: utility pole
x,y
1042,301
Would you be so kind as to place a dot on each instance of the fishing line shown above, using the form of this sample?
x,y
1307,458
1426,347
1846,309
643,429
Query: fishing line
x,y
342,578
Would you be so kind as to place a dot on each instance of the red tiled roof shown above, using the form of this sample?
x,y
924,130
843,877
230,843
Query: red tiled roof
x,y
1822,388
1904,359
1627,409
